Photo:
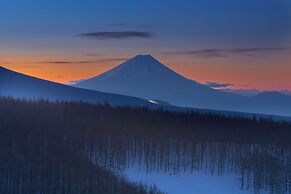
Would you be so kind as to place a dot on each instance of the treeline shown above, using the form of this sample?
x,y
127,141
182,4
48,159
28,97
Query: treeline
x,y
146,123
40,153
80,148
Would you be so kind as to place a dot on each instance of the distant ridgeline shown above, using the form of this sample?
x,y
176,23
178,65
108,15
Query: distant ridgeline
x,y
77,148
144,82
145,77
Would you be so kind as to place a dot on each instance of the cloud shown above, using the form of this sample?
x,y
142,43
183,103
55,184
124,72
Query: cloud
x,y
117,35
218,85
105,60
64,62
253,92
130,25
21,65
252,51
92,54
286,92
204,53
244,92
109,60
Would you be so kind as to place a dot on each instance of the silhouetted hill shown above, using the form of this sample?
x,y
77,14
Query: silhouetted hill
x,y
18,85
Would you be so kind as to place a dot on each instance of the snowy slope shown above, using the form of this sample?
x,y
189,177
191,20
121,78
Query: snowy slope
x,y
188,183
145,77
18,85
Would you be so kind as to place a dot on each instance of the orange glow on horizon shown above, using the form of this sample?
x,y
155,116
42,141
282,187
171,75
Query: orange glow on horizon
x,y
251,76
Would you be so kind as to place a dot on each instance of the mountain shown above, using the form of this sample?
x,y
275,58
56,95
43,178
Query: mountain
x,y
17,85
253,92
243,92
145,77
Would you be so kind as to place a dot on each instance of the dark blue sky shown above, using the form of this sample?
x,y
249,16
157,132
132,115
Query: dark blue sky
x,y
36,31
200,22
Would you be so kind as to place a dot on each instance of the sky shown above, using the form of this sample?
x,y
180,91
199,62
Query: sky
x,y
236,43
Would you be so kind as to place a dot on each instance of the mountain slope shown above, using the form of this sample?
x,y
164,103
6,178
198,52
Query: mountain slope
x,y
145,77
18,85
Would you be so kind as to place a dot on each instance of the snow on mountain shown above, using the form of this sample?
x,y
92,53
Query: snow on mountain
x,y
145,77
18,85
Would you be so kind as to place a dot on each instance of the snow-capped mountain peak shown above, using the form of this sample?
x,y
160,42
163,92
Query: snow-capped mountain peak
x,y
145,77
140,67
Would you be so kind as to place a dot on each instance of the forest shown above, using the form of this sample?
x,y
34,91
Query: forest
x,y
78,148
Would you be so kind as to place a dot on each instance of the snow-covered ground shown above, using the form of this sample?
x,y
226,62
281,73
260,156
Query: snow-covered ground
x,y
188,183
